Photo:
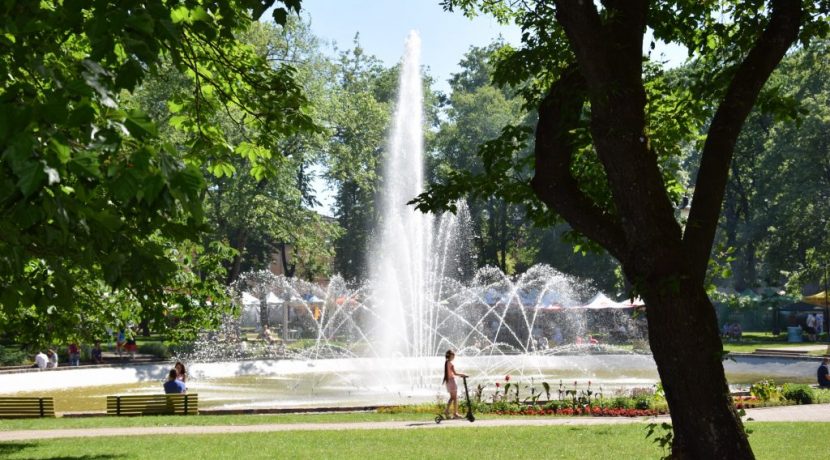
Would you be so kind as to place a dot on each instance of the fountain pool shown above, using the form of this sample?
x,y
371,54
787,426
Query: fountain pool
x,y
364,381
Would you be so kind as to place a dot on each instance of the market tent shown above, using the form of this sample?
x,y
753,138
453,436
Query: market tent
x,y
600,301
816,299
249,299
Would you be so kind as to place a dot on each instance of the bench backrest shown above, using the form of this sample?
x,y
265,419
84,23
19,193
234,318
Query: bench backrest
x,y
176,404
26,407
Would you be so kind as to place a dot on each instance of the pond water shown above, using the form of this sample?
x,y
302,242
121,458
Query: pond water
x,y
363,382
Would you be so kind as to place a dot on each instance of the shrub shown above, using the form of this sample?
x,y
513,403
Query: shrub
x,y
621,402
642,403
556,405
821,396
13,357
800,394
155,348
765,390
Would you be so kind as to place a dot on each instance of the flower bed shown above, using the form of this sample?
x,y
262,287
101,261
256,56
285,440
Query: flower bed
x,y
747,402
595,411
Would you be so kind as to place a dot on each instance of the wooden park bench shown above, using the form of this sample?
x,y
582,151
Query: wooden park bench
x,y
159,404
26,407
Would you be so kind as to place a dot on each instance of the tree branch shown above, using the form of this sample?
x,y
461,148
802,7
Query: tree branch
x,y
735,107
583,27
553,182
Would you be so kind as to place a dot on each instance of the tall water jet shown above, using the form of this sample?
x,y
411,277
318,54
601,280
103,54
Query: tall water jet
x,y
399,267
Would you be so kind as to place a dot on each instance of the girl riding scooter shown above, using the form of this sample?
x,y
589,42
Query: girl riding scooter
x,y
452,388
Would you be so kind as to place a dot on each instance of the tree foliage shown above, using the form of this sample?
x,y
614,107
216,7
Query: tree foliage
x,y
477,111
774,215
96,205
358,111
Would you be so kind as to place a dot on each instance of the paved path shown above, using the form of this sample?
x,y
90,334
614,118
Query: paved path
x,y
808,413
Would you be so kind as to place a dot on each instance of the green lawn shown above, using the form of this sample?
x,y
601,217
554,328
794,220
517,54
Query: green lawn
x,y
754,340
162,420
770,441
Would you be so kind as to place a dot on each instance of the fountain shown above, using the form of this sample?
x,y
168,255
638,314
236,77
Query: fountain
x,y
384,342
401,262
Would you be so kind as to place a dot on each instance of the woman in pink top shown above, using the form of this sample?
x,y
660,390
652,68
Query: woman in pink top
x,y
452,388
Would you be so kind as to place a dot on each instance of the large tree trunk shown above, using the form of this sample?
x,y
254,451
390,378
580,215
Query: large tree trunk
x,y
686,346
263,311
237,243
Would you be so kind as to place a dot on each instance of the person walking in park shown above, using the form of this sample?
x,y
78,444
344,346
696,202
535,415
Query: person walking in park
x,y
131,347
811,327
452,387
119,342
173,385
74,354
822,374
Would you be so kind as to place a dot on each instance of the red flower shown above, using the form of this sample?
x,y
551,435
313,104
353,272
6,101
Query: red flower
x,y
498,384
506,378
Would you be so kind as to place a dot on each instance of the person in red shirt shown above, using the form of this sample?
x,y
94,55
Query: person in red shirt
x,y
74,354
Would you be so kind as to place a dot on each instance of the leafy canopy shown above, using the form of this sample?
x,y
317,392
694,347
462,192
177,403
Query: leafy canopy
x,y
95,205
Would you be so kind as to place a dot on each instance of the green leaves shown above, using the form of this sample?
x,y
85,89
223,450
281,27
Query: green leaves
x,y
95,202
140,125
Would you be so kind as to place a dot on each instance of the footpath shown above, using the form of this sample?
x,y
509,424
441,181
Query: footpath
x,y
804,413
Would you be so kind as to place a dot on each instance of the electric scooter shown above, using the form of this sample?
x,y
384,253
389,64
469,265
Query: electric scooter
x,y
472,418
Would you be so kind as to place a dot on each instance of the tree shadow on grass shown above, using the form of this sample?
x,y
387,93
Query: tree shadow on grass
x,y
9,448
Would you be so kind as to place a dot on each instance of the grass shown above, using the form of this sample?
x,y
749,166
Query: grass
x,y
754,340
769,441
162,420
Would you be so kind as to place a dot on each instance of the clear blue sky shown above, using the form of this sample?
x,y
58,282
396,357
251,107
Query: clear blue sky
x,y
445,37
384,24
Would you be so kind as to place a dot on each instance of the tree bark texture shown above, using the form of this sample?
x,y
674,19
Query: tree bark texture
x,y
237,243
666,265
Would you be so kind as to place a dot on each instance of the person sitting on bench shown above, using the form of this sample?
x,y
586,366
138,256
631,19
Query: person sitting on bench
x,y
269,336
173,384
823,377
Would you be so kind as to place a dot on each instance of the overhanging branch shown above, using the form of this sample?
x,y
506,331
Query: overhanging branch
x,y
553,182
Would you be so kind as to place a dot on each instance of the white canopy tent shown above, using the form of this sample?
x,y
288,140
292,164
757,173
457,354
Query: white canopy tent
x,y
600,301
248,299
